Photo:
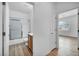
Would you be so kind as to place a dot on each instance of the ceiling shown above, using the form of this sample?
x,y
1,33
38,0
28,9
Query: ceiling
x,y
21,6
66,6
27,7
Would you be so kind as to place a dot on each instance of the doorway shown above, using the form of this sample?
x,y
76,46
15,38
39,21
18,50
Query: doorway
x,y
68,33
20,18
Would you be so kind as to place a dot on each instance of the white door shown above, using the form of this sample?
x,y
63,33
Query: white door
x,y
0,28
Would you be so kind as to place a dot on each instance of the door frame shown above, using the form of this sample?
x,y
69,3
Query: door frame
x,y
3,33
57,20
57,40
5,28
1,50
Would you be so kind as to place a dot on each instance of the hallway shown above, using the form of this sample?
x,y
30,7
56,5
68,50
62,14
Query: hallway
x,y
67,47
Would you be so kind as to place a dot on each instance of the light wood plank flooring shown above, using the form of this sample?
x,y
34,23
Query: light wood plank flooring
x,y
54,52
19,50
68,46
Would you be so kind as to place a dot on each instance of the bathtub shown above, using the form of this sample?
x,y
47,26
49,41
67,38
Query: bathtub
x,y
17,41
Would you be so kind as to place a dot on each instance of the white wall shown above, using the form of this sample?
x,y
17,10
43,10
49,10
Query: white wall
x,y
70,17
0,28
31,21
24,17
42,28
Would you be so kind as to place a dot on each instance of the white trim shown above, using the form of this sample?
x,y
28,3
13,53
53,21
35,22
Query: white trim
x,y
6,30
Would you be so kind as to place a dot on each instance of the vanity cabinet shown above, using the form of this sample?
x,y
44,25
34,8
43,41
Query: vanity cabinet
x,y
30,43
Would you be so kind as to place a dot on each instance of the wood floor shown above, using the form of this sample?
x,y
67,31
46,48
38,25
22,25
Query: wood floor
x,y
67,47
54,52
19,50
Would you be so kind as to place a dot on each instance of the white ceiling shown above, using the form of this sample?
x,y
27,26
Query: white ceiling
x,y
61,6
21,6
66,6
